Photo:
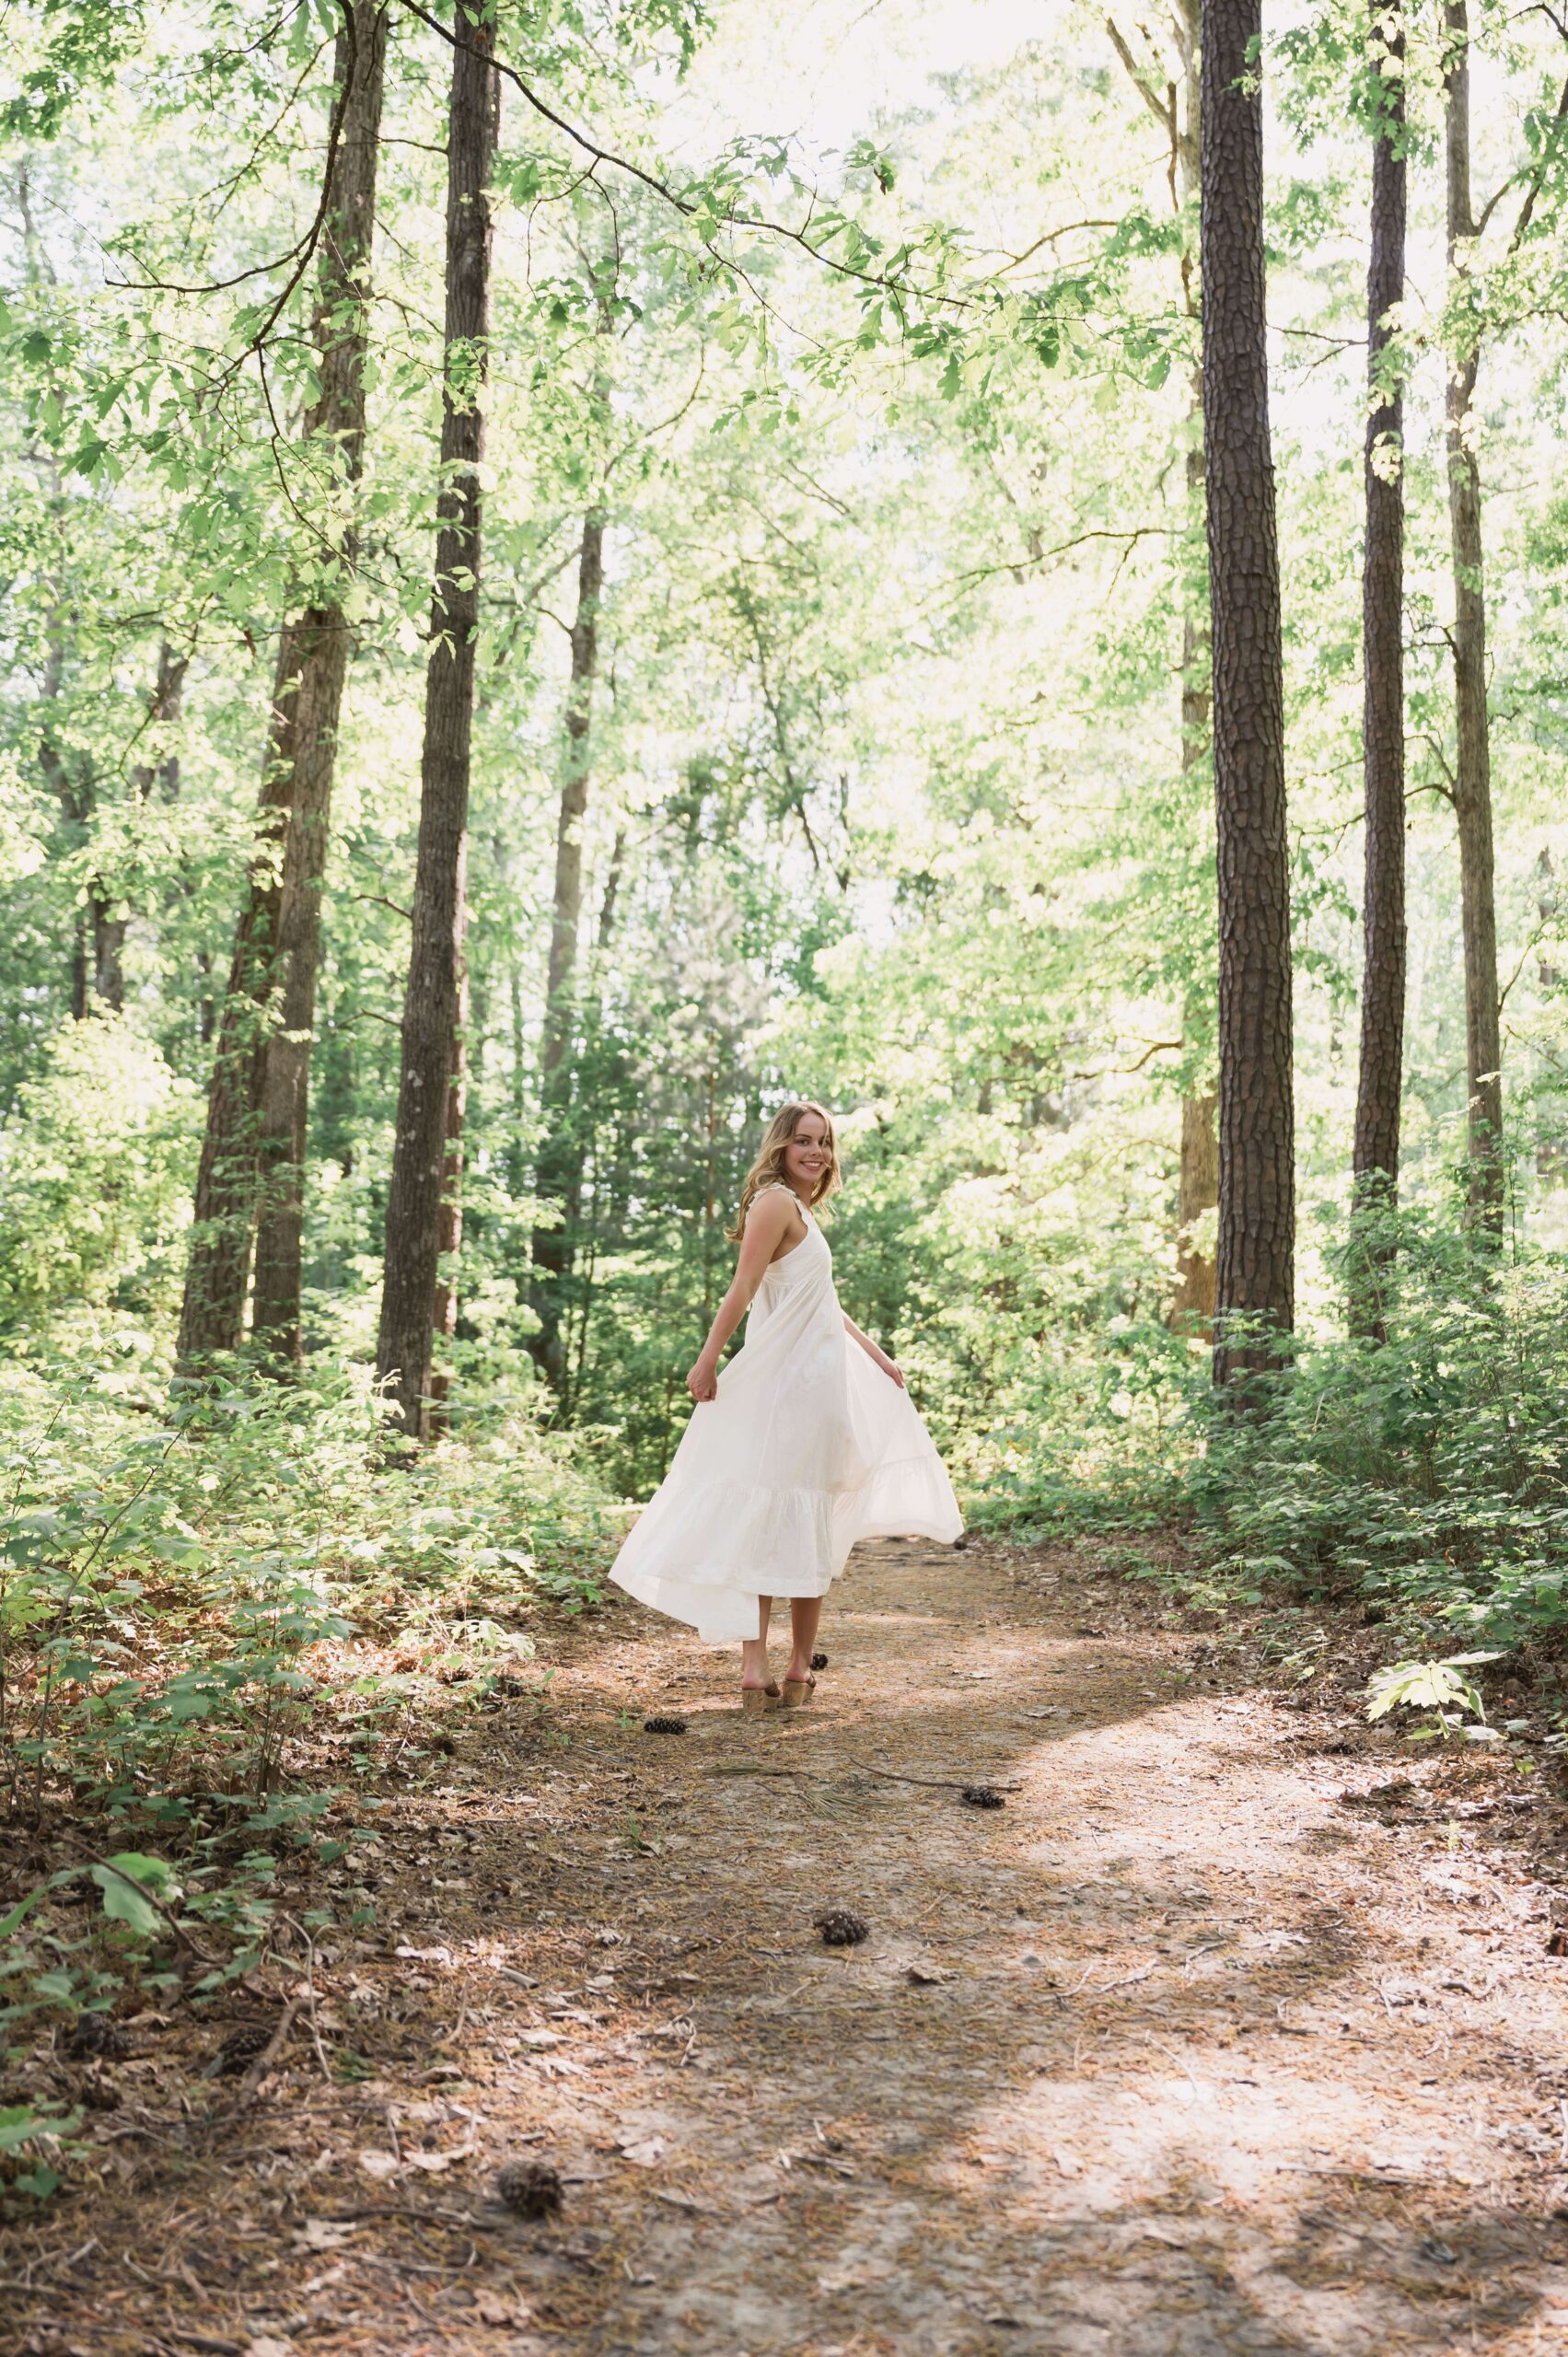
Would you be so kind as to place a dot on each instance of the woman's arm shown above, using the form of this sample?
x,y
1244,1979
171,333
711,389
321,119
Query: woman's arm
x,y
877,1357
767,1222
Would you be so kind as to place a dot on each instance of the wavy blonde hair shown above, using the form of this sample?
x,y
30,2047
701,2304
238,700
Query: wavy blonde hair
x,y
768,1170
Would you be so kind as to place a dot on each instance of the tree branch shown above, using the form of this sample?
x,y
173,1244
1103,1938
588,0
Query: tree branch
x,y
683,205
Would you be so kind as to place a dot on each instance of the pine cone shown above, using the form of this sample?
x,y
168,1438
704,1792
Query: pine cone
x,y
660,1725
818,1661
529,2189
95,2034
240,2048
982,1797
842,1928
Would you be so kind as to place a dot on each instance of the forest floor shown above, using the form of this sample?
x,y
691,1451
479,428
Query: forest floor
x,y
1235,2030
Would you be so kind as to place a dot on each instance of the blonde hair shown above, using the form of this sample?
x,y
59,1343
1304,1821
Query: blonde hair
x,y
768,1170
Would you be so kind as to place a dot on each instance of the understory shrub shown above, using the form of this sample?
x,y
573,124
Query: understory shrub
x,y
1426,1472
221,1609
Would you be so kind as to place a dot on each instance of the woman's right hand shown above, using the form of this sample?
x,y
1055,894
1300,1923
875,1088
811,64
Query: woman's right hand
x,y
702,1382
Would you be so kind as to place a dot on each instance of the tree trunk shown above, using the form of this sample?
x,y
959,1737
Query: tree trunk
x,y
611,890
1175,103
1198,1192
301,745
444,1309
1255,1276
212,1317
337,423
1380,1084
108,928
1198,1186
421,1180
558,1178
1472,760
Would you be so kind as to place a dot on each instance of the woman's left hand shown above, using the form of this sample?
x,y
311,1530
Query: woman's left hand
x,y
891,1368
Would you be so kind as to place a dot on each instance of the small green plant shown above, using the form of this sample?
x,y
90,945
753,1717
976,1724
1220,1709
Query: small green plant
x,y
1440,1687
30,2142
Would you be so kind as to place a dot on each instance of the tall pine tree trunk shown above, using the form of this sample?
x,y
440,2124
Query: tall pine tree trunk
x,y
1380,1084
1254,1274
558,1178
256,1099
1198,1183
1472,759
338,419
424,1178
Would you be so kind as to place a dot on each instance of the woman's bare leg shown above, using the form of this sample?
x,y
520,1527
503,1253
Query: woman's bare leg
x,y
805,1612
754,1651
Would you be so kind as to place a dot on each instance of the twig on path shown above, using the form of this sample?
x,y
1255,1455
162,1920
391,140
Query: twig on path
x,y
1193,1954
310,1994
267,2057
936,1783
1126,1981
1149,2039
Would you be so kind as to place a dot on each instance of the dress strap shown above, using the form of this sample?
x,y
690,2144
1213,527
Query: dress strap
x,y
778,1187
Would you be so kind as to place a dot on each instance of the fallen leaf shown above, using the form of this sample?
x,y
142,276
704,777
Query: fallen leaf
x,y
500,2307
432,2163
325,2233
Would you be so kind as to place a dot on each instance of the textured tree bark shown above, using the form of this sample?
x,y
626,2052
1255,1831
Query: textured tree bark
x,y
1472,759
337,420
422,1181
1254,1274
1376,1154
444,1313
301,740
218,1274
559,1174
1198,1192
1198,1185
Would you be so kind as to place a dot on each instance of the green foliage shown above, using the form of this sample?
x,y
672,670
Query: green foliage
x,y
201,1614
1439,1687
94,1180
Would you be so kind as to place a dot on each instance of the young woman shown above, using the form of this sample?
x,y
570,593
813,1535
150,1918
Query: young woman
x,y
806,1442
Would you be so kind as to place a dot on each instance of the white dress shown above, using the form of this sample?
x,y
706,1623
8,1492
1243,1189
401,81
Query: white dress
x,y
808,1447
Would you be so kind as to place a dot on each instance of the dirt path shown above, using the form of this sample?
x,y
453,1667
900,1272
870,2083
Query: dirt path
x,y
1180,2051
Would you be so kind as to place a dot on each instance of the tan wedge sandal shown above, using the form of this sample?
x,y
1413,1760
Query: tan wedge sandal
x,y
760,1697
797,1692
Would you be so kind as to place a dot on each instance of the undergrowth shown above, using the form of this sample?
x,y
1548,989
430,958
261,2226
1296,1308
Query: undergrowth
x,y
228,1629
1425,1474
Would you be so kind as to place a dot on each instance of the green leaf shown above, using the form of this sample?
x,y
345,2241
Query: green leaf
x,y
118,1879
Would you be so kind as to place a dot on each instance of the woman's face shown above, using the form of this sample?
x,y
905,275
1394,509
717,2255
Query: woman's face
x,y
808,1154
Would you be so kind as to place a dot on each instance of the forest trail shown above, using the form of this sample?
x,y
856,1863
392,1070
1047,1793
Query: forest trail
x,y
1188,2048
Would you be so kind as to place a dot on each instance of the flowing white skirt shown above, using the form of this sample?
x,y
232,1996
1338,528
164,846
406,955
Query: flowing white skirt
x,y
808,1447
